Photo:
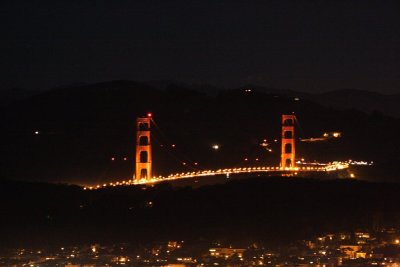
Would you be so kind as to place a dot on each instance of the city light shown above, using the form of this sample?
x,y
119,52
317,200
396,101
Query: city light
x,y
332,248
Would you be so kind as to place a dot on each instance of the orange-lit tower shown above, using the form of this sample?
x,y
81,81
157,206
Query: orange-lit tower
x,y
288,144
143,148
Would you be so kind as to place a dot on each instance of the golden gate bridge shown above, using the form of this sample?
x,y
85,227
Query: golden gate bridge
x,y
288,167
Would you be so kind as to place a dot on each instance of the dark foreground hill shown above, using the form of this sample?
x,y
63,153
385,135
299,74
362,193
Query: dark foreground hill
x,y
268,210
79,130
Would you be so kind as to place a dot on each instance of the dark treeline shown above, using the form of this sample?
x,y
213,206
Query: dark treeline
x,y
268,210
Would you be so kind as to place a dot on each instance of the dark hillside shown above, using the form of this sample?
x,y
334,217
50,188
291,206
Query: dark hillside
x,y
270,210
82,128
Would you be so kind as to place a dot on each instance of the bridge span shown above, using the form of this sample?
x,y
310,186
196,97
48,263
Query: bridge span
x,y
288,166
290,171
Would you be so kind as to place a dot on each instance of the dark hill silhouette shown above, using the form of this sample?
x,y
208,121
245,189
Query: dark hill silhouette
x,y
362,100
268,210
82,127
366,101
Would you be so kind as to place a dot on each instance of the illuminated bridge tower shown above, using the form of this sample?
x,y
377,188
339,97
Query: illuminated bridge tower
x,y
143,149
288,143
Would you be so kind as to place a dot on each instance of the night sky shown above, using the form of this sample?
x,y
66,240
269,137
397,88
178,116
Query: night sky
x,y
302,45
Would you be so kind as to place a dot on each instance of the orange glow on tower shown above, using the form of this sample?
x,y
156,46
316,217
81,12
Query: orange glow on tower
x,y
143,168
288,142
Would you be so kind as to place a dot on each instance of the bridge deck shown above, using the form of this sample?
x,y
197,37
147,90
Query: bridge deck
x,y
228,171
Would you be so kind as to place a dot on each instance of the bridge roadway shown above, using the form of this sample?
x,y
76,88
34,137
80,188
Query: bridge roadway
x,y
186,175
